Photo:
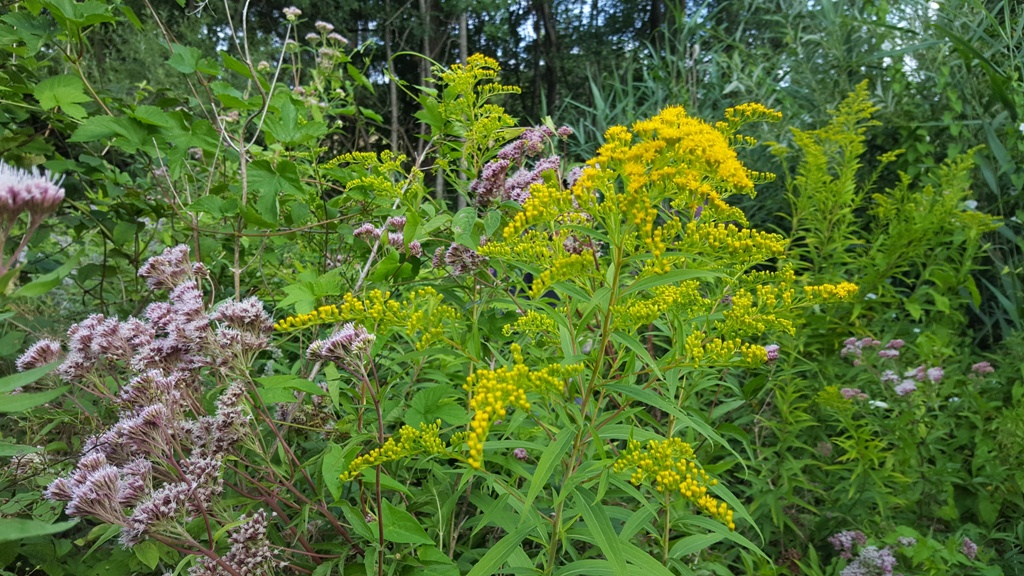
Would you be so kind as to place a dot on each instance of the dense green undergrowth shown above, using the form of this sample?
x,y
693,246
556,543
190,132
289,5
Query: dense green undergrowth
x,y
249,354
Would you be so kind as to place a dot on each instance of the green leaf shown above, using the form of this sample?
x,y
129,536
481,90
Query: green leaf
x,y
633,344
28,400
462,226
267,206
601,528
369,113
284,177
210,204
432,403
12,529
551,457
48,281
152,115
718,528
7,450
491,222
79,14
96,128
148,553
357,521
402,527
235,65
386,267
587,568
651,399
673,277
694,544
64,92
386,482
21,379
490,562
290,381
359,77
184,59
331,466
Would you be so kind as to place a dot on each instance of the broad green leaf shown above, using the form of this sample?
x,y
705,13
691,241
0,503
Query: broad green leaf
x,y
332,465
432,403
462,226
148,553
48,281
402,527
210,204
235,65
12,529
64,92
386,482
184,59
357,521
27,400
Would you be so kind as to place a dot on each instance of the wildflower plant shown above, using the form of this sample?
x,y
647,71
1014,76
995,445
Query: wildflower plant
x,y
574,304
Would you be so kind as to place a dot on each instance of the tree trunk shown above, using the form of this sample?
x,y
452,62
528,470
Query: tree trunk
x,y
392,82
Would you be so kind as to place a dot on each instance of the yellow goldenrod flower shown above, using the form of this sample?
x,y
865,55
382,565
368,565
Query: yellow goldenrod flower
x,y
408,442
492,392
671,467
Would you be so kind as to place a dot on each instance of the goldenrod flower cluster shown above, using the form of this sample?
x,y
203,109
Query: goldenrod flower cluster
x,y
681,299
547,202
727,242
718,351
492,392
831,397
466,89
531,322
749,112
323,315
531,246
571,266
672,468
420,312
745,317
831,292
386,175
408,442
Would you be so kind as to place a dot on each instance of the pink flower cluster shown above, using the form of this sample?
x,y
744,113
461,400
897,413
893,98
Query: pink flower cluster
x,y
391,233
494,183
25,191
162,460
